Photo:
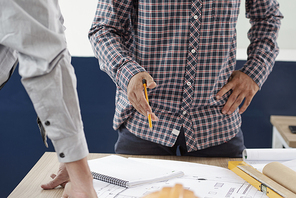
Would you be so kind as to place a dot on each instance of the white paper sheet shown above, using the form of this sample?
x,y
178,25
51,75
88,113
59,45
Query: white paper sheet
x,y
204,180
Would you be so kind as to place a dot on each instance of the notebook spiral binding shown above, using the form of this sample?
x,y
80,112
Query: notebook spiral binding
x,y
111,180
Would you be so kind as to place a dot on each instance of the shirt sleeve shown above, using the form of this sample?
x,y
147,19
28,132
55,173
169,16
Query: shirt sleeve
x,y
8,61
35,30
265,22
55,100
112,38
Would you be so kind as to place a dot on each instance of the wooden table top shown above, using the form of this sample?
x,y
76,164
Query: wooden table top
x,y
282,125
48,164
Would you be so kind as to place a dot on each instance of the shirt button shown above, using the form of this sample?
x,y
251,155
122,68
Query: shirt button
x,y
193,51
62,155
195,17
188,83
47,123
184,112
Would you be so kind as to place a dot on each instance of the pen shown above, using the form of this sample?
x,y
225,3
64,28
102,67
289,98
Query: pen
x,y
146,96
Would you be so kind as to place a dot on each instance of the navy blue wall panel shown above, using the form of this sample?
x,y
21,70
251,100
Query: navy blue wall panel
x,y
20,142
277,97
21,145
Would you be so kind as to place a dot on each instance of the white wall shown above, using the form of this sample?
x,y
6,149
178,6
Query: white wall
x,y
287,35
79,15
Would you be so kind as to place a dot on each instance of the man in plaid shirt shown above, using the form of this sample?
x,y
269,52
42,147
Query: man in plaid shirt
x,y
186,50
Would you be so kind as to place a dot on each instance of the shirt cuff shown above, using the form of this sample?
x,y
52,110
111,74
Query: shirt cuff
x,y
126,72
71,148
257,71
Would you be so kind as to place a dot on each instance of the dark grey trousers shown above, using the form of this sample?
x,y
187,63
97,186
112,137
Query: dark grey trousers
x,y
128,143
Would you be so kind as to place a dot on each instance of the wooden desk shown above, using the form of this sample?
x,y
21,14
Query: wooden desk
x,y
281,135
48,164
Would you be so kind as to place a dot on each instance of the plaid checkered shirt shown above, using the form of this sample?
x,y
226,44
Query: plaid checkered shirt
x,y
189,48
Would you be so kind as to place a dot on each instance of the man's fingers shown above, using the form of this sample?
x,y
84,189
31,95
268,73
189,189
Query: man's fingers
x,y
246,104
54,183
154,117
143,107
151,84
232,105
224,90
63,184
50,185
67,190
230,102
139,102
136,96
243,88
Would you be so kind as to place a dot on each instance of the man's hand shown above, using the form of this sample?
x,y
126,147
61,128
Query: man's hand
x,y
243,88
136,95
60,179
77,179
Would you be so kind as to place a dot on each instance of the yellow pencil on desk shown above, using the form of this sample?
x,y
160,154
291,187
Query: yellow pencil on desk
x,y
146,96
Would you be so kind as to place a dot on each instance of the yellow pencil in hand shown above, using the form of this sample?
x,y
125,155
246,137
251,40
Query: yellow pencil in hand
x,y
146,96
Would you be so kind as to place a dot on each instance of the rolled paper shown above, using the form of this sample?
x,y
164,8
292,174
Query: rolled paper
x,y
281,174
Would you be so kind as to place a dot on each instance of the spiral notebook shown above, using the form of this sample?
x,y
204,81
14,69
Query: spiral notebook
x,y
127,173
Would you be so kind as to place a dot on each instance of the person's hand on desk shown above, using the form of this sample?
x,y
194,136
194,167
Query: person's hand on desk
x,y
61,179
76,178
